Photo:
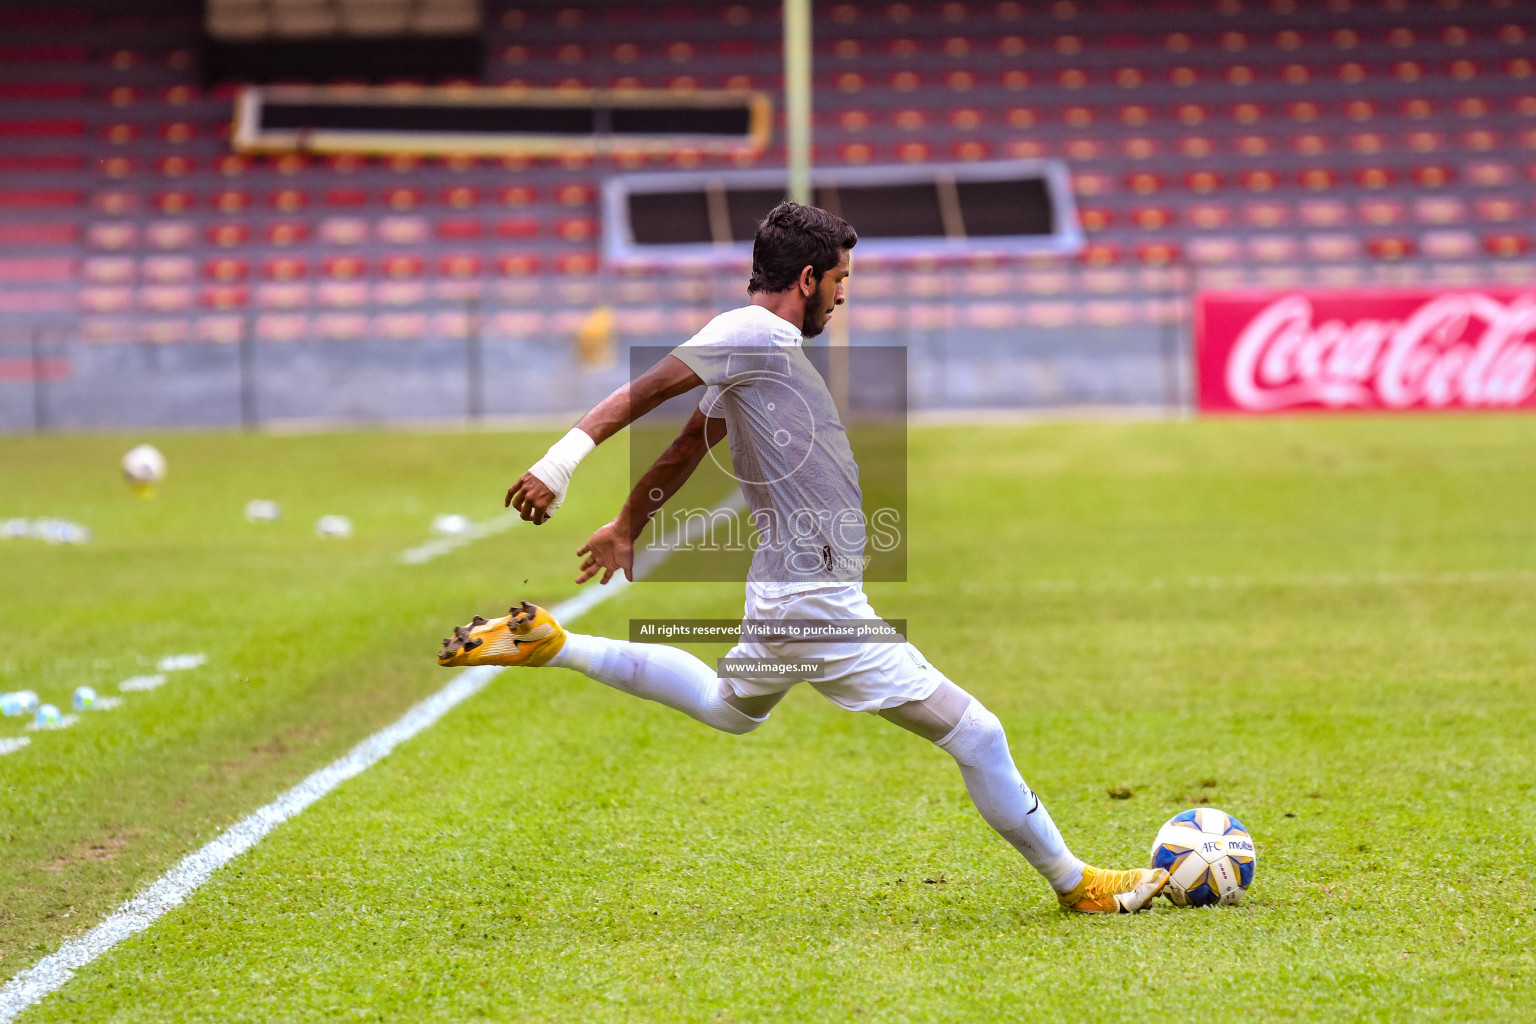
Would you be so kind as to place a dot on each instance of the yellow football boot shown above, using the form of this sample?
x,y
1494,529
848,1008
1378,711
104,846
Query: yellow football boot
x,y
526,635
1114,892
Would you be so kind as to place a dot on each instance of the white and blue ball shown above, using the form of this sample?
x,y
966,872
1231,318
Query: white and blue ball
x,y
84,698
1209,857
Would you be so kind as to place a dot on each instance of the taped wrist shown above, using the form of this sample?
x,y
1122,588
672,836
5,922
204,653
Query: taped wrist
x,y
555,468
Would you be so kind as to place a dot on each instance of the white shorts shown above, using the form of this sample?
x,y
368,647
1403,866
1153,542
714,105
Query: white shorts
x,y
857,676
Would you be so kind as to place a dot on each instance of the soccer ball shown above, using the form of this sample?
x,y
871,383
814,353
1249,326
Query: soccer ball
x,y
143,468
1208,855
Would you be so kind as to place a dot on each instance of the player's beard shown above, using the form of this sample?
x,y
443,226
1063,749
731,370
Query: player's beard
x,y
815,319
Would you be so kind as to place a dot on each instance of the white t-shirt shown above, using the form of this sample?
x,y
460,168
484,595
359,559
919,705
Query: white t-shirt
x,y
789,450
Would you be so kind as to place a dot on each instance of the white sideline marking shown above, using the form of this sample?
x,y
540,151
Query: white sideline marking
x,y
173,887
64,722
107,703
142,683
11,744
442,545
181,662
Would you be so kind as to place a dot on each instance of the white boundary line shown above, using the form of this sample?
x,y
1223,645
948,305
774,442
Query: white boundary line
x,y
172,888
442,545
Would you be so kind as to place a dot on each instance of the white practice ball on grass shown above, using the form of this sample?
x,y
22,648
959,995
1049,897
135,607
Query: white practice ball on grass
x,y
334,526
48,715
450,525
83,699
259,510
144,467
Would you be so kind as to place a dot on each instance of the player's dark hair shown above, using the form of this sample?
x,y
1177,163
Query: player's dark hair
x,y
792,237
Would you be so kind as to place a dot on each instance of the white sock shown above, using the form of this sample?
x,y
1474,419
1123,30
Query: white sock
x,y
980,746
655,672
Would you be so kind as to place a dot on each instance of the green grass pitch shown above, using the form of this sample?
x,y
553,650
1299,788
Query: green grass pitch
x,y
1325,627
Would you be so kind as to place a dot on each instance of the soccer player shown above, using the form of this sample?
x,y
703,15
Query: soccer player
x,y
797,472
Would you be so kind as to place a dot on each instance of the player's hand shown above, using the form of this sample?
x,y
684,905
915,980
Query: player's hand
x,y
607,551
531,498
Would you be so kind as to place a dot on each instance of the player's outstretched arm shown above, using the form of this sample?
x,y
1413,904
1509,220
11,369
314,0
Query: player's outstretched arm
x,y
541,490
612,546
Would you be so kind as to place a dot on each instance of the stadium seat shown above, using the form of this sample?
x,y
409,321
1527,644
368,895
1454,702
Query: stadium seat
x,y
459,265
283,268
459,229
1391,247
288,200
1507,243
226,269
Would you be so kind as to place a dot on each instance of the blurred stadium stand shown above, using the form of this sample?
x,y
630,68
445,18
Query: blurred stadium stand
x,y
149,275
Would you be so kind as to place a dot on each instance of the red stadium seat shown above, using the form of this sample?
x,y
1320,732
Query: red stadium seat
x,y
1391,248
343,268
576,229
517,264
173,202
1432,175
1157,253
225,297
402,198
458,229
1497,208
1374,177
350,197
1100,254
1152,218
402,267
1095,218
1507,243
285,233
517,227
231,200
120,134
228,236
1260,180
1202,181
576,264
283,268
288,200
1473,106
459,265
39,198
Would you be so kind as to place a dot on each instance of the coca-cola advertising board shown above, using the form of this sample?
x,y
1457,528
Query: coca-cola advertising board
x,y
1452,348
